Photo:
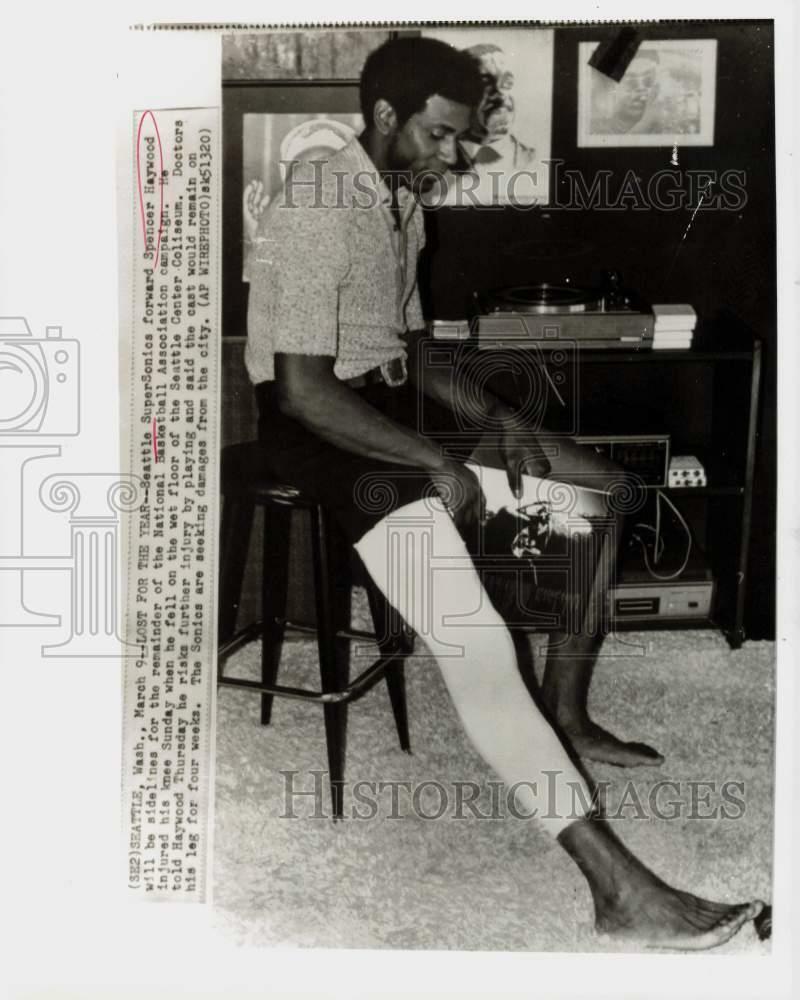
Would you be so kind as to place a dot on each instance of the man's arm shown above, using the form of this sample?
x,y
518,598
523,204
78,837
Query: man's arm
x,y
309,392
478,405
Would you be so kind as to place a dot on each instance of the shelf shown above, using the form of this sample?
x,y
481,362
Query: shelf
x,y
712,343
708,396
665,624
588,356
700,491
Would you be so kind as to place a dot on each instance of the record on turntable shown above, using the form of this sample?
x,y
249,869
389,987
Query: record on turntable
x,y
546,299
547,315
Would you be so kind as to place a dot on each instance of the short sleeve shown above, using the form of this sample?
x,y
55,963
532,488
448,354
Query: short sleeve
x,y
298,261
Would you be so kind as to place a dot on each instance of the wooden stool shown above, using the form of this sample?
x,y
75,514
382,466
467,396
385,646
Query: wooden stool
x,y
246,485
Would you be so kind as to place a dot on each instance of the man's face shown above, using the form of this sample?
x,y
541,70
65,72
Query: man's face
x,y
495,114
637,88
426,146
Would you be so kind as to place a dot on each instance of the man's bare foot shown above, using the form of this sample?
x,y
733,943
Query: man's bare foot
x,y
592,742
666,918
632,903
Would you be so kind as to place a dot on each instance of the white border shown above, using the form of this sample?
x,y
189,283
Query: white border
x,y
60,733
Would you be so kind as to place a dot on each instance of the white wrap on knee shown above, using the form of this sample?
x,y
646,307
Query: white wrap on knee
x,y
419,561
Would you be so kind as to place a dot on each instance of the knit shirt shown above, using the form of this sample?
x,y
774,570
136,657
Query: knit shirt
x,y
331,272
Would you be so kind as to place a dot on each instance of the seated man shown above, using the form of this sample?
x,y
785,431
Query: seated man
x,y
333,307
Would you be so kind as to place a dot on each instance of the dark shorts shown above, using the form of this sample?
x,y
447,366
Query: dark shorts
x,y
359,492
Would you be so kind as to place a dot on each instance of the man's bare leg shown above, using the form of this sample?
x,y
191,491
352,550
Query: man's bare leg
x,y
565,688
571,656
476,657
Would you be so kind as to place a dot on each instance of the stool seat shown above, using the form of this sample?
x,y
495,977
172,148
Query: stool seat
x,y
244,473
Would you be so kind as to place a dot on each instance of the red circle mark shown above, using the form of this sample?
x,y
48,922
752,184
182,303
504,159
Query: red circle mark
x,y
154,438
160,185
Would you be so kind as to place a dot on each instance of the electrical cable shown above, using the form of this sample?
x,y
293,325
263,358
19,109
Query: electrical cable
x,y
658,541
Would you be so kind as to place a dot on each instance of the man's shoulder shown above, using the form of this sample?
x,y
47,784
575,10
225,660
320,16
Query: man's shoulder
x,y
308,183
342,180
308,201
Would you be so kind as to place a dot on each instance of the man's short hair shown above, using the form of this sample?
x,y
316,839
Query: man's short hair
x,y
407,71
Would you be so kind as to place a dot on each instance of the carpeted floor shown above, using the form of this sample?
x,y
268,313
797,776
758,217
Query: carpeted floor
x,y
488,883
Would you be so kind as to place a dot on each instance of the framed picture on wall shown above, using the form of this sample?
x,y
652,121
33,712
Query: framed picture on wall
x,y
507,153
666,96
266,128
273,141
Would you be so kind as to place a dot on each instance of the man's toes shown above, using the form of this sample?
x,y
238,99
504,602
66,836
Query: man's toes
x,y
724,928
738,917
748,911
643,750
704,907
609,750
756,906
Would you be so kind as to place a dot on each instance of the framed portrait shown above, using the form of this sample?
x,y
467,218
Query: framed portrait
x,y
266,127
507,153
665,97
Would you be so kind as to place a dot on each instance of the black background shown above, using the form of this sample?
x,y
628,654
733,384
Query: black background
x,y
726,263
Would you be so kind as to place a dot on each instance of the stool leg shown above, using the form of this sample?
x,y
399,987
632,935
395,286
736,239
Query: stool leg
x,y
274,584
396,685
329,664
237,520
392,641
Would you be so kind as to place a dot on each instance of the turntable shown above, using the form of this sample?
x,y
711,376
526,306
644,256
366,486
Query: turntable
x,y
546,315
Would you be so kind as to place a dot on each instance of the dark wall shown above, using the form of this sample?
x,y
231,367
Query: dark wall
x,y
726,262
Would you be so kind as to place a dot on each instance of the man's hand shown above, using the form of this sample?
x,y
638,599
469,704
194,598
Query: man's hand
x,y
522,456
519,450
461,493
